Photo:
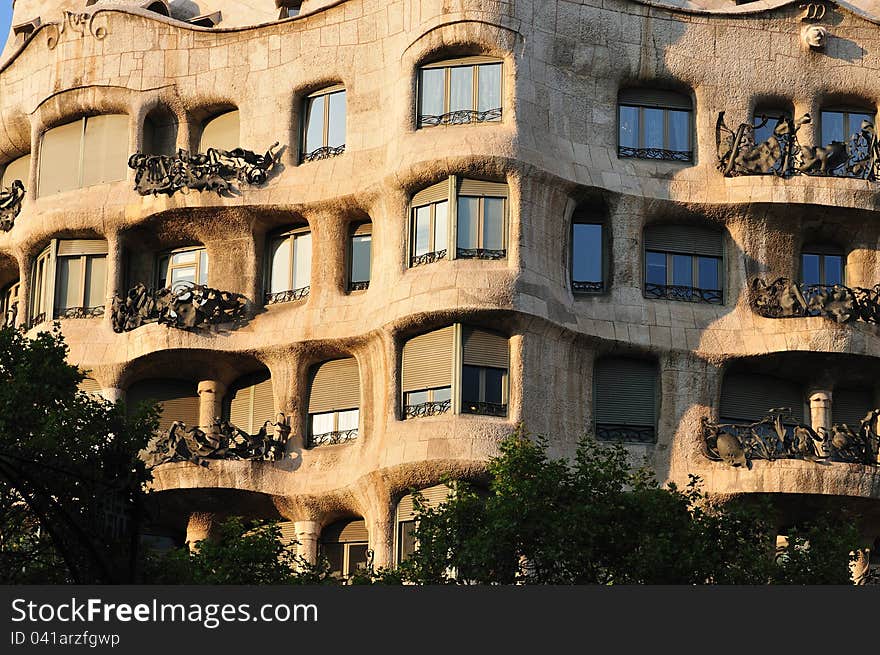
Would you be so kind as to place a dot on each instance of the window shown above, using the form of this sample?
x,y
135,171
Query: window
x,y
479,229
251,403
183,268
69,280
764,121
221,132
360,257
460,91
324,126
290,266
345,545
92,150
432,497
822,265
654,124
841,124
587,257
850,406
748,397
431,385
178,400
17,169
289,8
683,263
160,132
334,402
625,400
9,304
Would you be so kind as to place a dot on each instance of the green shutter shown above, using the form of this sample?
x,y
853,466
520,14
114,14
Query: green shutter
x,y
684,239
427,360
335,386
625,392
749,396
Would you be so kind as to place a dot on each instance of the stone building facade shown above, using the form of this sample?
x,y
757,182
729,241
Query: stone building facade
x,y
610,217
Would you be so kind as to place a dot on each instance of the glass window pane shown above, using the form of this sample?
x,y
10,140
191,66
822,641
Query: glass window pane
x,y
280,271
833,269
493,223
679,130
654,119
183,277
360,258
442,394
683,270
832,127
335,556
302,261
461,88
162,272
441,225
96,281
709,273
314,137
494,392
489,87
656,267
348,420
432,93
470,384
763,133
468,222
188,257
59,166
629,127
422,230
336,135
416,397
68,283
203,267
586,265
810,269
105,151
855,122
357,558
322,423
406,543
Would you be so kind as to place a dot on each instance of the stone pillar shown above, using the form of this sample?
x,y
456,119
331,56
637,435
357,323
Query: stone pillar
x,y
820,410
113,394
201,526
381,531
307,533
210,402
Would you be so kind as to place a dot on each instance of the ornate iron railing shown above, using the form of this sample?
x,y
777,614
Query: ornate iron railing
x,y
683,293
460,117
187,308
430,408
783,298
484,408
780,436
287,296
222,441
331,438
655,153
36,320
580,286
782,155
10,204
80,312
427,258
212,171
620,432
480,253
324,152
363,285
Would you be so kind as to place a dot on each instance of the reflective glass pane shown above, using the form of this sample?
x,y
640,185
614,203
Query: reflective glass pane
x,y
656,267
833,269
187,257
494,392
406,543
162,272
855,122
302,261
441,225
586,259
348,420
679,130
468,222
470,384
654,119
810,269
683,270
708,269
184,276
442,394
96,280
765,132
280,273
336,135
314,135
416,397
432,91
357,558
322,423
335,554
489,87
832,127
422,230
68,282
360,258
493,223
629,127
461,88
203,267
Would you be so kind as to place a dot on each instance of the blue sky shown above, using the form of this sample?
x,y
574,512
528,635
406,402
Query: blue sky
x,y
5,18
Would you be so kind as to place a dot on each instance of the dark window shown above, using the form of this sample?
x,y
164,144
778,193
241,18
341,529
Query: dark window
x,y
821,267
406,543
587,260
683,263
625,399
483,390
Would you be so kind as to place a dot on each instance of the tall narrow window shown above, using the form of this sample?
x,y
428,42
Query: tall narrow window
x,y
427,373
460,91
289,266
625,399
484,372
334,402
221,132
182,268
429,231
822,265
345,546
69,280
92,150
655,124
324,125
9,304
360,255
587,257
251,403
683,263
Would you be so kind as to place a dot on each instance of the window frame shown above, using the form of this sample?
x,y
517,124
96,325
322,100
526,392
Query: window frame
x,y
171,266
482,385
481,227
822,252
290,294
847,112
474,115
41,304
325,151
588,287
640,150
356,231
432,254
695,273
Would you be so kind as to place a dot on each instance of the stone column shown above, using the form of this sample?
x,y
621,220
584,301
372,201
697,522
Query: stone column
x,y
381,531
201,526
820,410
307,533
210,402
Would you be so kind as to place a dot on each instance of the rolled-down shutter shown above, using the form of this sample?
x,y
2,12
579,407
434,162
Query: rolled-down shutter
x,y
427,360
179,400
335,386
70,247
434,193
252,402
467,187
625,392
749,396
288,532
850,406
17,169
654,98
463,61
348,531
685,239
221,132
90,386
433,497
484,348
59,166
363,229
105,149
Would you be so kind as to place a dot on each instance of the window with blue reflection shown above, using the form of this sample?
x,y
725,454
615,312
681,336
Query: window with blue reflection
x,y
841,125
821,266
586,257
655,124
655,263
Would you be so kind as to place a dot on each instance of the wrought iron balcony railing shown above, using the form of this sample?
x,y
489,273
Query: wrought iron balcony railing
x,y
184,308
331,438
427,258
683,293
80,312
620,432
363,285
783,298
10,204
781,154
431,408
460,117
480,253
484,409
655,153
287,296
580,286
324,152
36,320
780,436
